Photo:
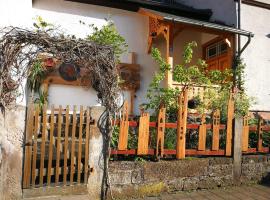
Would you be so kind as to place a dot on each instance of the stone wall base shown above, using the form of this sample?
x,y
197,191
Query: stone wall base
x,y
137,179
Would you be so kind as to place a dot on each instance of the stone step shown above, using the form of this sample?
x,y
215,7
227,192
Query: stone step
x,y
48,192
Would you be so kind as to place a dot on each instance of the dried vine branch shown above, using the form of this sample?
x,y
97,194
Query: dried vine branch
x,y
20,48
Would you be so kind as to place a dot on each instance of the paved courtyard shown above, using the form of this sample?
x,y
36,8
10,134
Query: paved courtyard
x,y
254,192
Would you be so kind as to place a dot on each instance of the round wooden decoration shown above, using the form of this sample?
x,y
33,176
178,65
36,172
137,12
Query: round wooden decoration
x,y
69,71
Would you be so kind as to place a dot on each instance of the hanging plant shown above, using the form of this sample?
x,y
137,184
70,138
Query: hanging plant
x,y
36,76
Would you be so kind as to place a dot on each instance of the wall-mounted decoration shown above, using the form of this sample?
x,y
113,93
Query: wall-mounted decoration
x,y
69,71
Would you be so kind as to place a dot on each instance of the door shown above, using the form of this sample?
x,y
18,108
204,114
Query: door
x,y
56,146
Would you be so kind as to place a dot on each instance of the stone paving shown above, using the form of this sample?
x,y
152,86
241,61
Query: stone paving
x,y
254,192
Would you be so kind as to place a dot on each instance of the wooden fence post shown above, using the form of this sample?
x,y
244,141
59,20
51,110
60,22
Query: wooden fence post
x,y
216,125
143,138
245,134
230,116
182,125
260,132
160,131
202,134
237,150
124,125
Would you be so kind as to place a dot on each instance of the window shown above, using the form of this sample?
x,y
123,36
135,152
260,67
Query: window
x,y
217,54
216,49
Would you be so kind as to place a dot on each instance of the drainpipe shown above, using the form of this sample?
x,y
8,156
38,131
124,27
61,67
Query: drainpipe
x,y
238,121
239,24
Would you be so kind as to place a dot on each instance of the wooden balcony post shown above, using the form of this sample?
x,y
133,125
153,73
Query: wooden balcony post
x,y
169,55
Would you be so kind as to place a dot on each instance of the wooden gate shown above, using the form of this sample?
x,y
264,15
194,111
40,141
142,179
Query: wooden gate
x,y
56,146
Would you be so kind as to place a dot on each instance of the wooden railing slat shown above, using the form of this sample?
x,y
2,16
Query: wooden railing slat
x,y
181,125
143,138
230,116
202,134
87,145
124,125
74,124
66,146
42,153
59,128
28,147
34,161
51,146
260,134
161,131
245,134
80,145
216,127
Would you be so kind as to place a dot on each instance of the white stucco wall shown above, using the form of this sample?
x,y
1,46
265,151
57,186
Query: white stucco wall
x,y
257,56
132,26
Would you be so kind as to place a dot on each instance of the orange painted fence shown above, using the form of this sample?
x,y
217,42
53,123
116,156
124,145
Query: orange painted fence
x,y
259,129
182,126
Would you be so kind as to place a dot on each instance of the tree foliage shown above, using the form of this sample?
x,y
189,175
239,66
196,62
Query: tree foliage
x,y
217,84
108,35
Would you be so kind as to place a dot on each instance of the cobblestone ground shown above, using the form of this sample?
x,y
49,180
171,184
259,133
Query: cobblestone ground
x,y
254,192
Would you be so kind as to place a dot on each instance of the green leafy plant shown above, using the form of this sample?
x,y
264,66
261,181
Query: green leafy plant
x,y
40,23
218,84
36,75
42,99
108,35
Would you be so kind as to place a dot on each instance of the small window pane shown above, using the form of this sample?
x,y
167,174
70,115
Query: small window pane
x,y
211,51
223,47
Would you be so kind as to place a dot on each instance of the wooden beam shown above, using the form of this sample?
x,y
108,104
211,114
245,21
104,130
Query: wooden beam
x,y
150,14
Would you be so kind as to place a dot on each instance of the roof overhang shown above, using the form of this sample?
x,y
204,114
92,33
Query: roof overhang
x,y
193,22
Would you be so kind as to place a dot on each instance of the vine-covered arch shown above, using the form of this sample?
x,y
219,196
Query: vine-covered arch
x,y
19,50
